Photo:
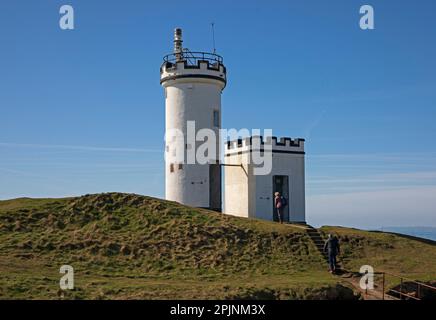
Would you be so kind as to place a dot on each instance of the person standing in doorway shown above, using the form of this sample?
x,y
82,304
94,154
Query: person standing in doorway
x,y
278,202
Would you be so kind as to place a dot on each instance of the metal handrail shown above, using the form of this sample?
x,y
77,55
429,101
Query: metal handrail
x,y
410,280
404,294
400,291
194,55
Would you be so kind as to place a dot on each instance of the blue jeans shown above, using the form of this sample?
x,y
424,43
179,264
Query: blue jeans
x,y
332,260
280,214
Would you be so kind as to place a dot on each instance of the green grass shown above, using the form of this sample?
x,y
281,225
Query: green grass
x,y
385,252
125,246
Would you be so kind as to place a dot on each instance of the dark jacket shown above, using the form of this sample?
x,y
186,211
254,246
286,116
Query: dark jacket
x,y
332,245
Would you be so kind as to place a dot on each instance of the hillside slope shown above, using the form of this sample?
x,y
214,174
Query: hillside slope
x,y
395,254
125,246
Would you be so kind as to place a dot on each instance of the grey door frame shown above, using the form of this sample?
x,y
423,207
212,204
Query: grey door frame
x,y
284,191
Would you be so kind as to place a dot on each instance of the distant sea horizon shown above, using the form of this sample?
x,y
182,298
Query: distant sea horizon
x,y
421,232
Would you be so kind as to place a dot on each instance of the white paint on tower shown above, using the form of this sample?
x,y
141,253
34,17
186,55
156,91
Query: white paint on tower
x,y
193,82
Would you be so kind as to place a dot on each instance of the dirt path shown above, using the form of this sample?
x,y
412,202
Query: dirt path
x,y
346,276
375,294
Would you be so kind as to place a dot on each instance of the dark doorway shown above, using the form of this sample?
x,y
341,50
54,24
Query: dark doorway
x,y
281,184
215,187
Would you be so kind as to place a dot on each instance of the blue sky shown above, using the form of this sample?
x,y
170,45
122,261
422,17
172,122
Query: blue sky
x,y
82,111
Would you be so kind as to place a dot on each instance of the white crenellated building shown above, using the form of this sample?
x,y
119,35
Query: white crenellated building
x,y
193,83
249,195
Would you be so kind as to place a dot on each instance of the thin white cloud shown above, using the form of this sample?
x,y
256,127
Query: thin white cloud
x,y
373,209
383,157
314,124
385,177
34,178
371,95
78,148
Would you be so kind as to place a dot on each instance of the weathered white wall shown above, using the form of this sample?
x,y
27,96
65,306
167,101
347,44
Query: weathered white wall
x,y
291,165
189,99
236,190
253,196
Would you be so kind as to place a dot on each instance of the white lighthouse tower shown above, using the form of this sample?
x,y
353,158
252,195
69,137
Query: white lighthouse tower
x,y
193,83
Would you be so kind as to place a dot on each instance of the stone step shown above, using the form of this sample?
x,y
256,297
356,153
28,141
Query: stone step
x,y
315,236
319,242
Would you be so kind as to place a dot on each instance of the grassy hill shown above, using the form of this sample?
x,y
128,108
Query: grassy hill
x,y
125,246
403,255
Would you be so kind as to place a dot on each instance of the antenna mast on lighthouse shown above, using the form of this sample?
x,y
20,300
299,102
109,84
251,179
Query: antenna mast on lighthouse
x,y
213,36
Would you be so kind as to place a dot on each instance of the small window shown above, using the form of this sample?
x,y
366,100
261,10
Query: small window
x,y
171,167
216,118
180,166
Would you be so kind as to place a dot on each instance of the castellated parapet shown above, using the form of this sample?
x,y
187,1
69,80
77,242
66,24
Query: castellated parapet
x,y
282,145
197,65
